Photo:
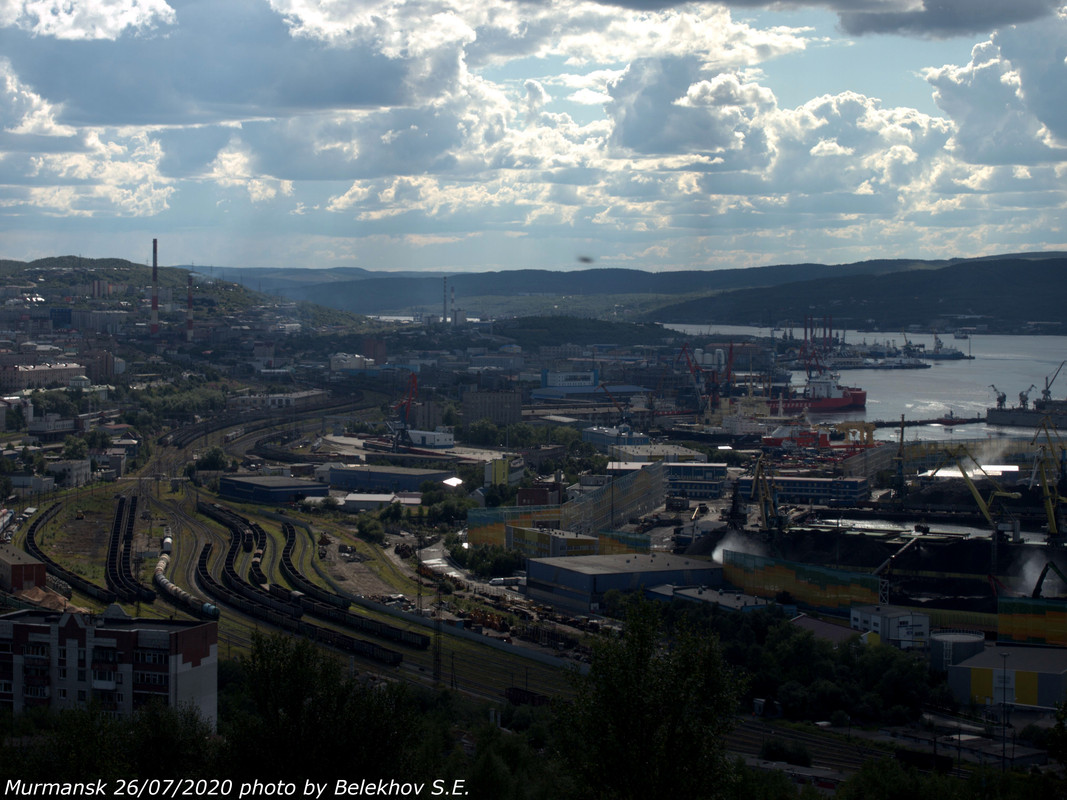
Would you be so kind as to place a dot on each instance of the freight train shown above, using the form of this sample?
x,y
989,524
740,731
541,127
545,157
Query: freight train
x,y
179,596
119,548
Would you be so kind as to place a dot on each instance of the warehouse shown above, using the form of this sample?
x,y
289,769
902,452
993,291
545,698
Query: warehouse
x,y
580,582
269,489
1012,676
382,478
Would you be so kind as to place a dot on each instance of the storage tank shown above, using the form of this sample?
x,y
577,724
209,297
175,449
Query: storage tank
x,y
948,648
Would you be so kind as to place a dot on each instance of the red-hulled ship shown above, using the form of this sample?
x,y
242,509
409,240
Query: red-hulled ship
x,y
821,394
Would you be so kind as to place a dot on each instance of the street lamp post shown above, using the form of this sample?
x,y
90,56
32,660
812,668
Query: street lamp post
x,y
1004,713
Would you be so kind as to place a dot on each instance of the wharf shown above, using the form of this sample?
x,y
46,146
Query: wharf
x,y
910,423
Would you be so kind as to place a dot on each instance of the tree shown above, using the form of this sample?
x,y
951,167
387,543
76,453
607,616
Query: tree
x,y
97,439
1057,735
75,448
213,459
15,419
650,717
309,720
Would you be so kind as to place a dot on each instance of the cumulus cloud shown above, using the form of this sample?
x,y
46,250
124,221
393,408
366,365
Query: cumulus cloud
x,y
1000,101
536,98
25,112
933,18
423,126
943,17
85,19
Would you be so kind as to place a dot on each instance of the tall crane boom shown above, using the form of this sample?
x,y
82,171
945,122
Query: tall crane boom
x,y
696,374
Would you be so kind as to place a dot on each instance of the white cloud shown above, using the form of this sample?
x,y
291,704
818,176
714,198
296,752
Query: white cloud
x,y
649,134
234,167
85,19
23,111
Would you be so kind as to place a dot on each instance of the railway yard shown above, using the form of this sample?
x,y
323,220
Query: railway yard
x,y
256,570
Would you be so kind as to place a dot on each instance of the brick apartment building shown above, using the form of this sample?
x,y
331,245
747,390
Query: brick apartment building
x,y
65,660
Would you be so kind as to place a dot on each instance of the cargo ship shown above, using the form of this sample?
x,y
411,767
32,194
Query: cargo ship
x,y
821,394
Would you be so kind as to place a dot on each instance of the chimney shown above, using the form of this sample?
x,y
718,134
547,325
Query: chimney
x,y
155,287
189,312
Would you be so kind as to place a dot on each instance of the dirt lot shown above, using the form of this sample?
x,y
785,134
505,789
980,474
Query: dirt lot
x,y
351,571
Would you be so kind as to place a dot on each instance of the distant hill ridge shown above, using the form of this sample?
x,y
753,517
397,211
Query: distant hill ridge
x,y
1004,290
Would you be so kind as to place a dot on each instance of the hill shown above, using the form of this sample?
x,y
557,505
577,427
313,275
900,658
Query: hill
x,y
1006,293
1016,292
1003,293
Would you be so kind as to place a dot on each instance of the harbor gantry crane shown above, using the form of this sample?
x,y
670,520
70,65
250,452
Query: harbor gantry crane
x,y
403,409
884,570
1046,393
1000,523
1024,396
696,374
901,483
771,519
623,418
1050,469
1002,397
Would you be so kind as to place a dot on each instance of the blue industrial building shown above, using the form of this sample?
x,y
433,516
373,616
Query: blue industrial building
x,y
269,489
579,582
380,478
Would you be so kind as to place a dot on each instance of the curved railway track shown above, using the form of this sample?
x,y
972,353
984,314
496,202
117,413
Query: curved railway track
x,y
76,581
120,578
285,613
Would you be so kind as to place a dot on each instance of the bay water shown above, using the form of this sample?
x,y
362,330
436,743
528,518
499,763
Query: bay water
x,y
962,388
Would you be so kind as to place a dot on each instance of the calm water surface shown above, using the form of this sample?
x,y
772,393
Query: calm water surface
x,y
1011,363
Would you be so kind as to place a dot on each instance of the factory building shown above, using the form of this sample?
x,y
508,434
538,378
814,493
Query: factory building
x,y
20,571
549,542
608,439
500,408
655,451
380,478
67,660
696,479
1012,676
904,628
806,490
579,583
269,489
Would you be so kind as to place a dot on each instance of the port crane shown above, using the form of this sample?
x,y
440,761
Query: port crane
x,y
901,483
1024,396
623,419
1002,397
771,518
403,411
884,570
1046,393
697,375
1051,476
1036,594
997,524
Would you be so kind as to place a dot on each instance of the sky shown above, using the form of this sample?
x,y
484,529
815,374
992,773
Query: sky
x,y
485,135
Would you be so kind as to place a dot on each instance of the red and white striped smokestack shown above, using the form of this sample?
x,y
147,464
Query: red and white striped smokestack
x,y
155,287
189,312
